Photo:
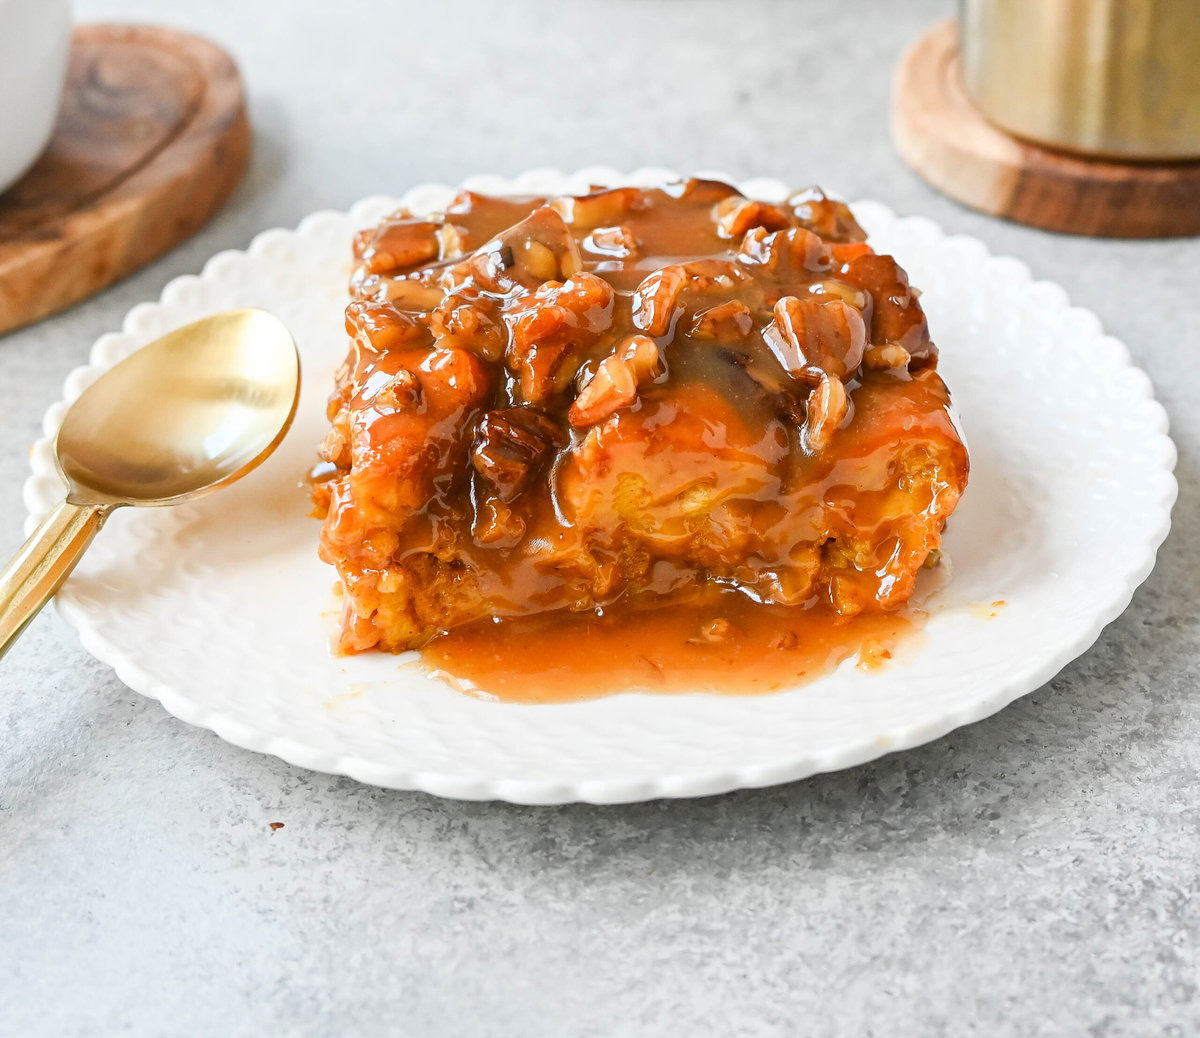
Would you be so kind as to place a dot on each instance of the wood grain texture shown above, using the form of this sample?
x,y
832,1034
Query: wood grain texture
x,y
151,138
948,142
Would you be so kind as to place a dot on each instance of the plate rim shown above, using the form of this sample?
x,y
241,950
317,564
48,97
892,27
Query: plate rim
x,y
601,790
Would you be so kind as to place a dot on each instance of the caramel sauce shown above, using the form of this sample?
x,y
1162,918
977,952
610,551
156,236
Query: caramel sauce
x,y
666,439
724,643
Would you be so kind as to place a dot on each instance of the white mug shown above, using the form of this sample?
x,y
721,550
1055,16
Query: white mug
x,y
35,38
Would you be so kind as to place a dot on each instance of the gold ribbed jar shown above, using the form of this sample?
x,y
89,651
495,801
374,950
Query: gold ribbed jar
x,y
1118,78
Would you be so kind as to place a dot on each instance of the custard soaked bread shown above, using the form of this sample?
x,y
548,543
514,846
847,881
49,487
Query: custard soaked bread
x,y
630,396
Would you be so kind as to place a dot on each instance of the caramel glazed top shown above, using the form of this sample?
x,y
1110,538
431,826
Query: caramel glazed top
x,y
495,346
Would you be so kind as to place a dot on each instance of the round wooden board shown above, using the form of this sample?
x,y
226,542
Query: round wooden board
x,y
948,142
151,138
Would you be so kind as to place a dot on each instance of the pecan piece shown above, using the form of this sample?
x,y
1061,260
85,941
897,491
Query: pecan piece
x,y
831,219
896,315
727,322
586,212
612,387
784,641
469,324
399,244
611,241
528,254
452,241
497,524
510,445
410,293
383,326
832,288
659,298
641,355
398,393
655,299
550,330
700,191
826,337
734,216
710,276
615,384
795,250
712,632
335,447
889,355
828,405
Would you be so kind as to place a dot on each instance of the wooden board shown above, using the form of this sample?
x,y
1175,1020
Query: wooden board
x,y
945,139
151,138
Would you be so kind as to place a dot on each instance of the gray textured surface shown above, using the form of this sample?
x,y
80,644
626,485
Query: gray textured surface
x,y
1033,874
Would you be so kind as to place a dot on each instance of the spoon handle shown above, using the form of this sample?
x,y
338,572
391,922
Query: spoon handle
x,y
43,562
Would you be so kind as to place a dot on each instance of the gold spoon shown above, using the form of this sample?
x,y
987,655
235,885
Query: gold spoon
x,y
190,412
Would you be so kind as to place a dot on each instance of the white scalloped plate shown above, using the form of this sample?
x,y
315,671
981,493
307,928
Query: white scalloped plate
x,y
221,610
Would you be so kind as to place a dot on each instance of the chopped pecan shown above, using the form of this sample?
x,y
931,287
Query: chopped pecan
x,y
397,393
701,191
712,632
383,326
482,216
616,241
399,244
727,322
615,384
889,355
655,299
528,254
642,356
411,293
551,329
612,387
335,447
831,219
711,276
784,641
452,241
510,445
659,298
807,335
497,524
832,288
585,212
470,324
734,216
785,252
828,405
896,315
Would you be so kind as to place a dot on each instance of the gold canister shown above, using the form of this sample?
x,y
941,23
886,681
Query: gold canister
x,y
1118,78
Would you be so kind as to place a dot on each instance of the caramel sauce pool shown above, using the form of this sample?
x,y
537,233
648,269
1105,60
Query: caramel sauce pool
x,y
724,643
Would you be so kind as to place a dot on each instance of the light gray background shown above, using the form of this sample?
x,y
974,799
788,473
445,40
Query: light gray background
x,y
1033,874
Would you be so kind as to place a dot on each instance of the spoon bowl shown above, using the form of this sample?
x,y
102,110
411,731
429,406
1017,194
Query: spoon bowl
x,y
186,414
190,412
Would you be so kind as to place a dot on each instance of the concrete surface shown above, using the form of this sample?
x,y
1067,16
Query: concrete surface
x,y
1033,874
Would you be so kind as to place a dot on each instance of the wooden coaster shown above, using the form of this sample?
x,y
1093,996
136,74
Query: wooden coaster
x,y
151,138
947,141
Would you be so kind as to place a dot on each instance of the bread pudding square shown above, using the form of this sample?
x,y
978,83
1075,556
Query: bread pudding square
x,y
629,396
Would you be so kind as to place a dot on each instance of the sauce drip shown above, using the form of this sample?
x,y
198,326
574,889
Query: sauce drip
x,y
723,642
